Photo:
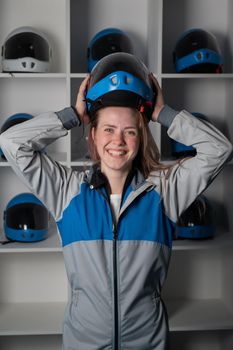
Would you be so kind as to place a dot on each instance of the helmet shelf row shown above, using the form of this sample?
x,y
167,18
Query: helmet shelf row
x,y
28,50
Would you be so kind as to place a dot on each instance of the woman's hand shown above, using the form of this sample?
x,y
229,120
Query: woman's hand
x,y
159,103
81,101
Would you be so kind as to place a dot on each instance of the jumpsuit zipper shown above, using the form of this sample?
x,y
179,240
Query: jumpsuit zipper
x,y
115,287
115,282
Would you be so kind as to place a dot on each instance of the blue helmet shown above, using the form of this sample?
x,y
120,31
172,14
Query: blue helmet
x,y
196,222
26,219
180,150
120,79
197,51
13,120
105,42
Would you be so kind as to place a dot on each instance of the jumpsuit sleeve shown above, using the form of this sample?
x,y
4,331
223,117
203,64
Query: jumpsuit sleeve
x,y
185,180
24,146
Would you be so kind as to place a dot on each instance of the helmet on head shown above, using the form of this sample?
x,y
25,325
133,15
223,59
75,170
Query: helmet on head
x,y
13,120
26,50
197,51
178,149
120,79
26,219
105,42
196,222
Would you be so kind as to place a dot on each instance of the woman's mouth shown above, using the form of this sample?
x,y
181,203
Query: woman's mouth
x,y
116,153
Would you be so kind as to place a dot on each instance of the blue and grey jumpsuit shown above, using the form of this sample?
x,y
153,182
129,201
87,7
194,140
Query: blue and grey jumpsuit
x,y
116,268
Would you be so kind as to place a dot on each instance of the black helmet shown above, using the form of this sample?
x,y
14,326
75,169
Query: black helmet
x,y
105,42
26,219
196,222
197,51
120,79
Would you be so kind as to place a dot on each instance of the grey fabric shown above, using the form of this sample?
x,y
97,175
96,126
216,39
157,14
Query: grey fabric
x,y
69,117
142,315
166,116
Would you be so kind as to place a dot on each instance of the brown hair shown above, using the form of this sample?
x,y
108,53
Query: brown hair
x,y
147,158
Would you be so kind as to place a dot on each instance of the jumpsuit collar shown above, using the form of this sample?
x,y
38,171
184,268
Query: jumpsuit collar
x,y
97,179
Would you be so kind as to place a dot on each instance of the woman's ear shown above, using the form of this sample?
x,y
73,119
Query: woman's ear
x,y
93,134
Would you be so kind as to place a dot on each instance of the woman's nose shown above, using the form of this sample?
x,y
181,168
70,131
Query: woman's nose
x,y
119,137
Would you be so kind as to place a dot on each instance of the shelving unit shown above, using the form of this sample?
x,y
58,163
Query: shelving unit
x,y
199,288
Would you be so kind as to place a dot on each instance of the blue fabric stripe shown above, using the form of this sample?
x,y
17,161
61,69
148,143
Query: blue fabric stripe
x,y
145,220
88,217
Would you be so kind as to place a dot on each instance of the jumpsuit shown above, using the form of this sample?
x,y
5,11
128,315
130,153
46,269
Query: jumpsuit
x,y
116,268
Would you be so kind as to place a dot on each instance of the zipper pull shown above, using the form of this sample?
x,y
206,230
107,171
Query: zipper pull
x,y
114,230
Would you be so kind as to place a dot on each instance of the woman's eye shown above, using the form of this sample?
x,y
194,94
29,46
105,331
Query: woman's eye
x,y
108,130
131,132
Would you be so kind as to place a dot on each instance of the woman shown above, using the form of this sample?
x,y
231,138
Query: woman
x,y
117,220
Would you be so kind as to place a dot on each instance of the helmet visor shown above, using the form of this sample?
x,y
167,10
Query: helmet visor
x,y
27,45
119,62
25,216
115,42
195,40
197,214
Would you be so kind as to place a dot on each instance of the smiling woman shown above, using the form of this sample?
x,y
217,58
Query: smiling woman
x,y
116,141
117,220
147,157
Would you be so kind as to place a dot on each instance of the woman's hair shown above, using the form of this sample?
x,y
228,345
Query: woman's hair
x,y
147,158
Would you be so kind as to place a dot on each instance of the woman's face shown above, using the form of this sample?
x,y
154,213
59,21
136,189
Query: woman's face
x,y
116,138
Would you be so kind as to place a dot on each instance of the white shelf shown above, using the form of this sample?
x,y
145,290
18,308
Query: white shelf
x,y
196,76
31,318
78,75
199,315
33,75
3,162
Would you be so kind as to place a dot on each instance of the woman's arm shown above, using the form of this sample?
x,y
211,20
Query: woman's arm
x,y
183,182
190,177
23,144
